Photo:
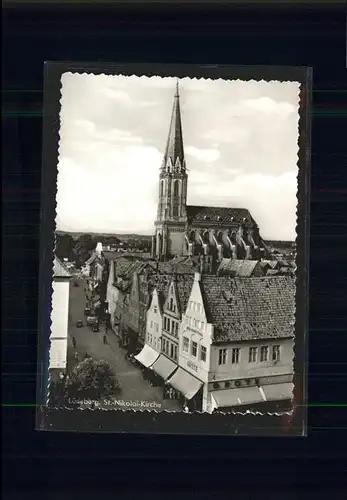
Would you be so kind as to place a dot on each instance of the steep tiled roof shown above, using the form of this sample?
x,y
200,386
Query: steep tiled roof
x,y
91,259
249,308
269,263
219,215
59,270
271,272
184,285
232,267
161,282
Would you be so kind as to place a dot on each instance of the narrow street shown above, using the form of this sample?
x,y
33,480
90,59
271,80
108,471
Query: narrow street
x,y
133,386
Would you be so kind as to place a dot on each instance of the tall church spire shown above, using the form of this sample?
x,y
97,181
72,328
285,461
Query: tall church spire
x,y
174,147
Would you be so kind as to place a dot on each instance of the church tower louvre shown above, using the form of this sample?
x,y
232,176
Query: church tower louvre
x,y
171,220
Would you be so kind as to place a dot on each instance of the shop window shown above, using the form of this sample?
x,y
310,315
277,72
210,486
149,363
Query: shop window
x,y
185,344
194,349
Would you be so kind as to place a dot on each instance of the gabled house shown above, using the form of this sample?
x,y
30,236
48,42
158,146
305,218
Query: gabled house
x,y
236,343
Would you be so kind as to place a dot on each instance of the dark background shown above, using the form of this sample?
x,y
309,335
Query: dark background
x,y
50,465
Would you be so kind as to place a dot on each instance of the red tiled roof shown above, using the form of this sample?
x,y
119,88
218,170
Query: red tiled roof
x,y
249,308
219,215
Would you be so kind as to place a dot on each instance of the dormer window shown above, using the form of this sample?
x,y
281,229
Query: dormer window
x,y
219,218
244,220
206,217
231,219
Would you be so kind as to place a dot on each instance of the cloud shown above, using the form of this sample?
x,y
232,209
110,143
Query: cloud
x,y
119,96
205,155
267,105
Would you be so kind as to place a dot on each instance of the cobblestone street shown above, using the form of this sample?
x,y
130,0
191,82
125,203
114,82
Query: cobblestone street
x,y
133,386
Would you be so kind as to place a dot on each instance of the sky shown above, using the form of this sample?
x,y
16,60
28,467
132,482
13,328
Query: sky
x,y
240,139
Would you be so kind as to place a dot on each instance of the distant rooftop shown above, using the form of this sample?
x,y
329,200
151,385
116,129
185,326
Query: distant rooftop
x,y
59,270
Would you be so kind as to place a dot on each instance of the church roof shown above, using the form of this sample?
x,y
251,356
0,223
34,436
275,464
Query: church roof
x,y
174,146
59,270
219,215
249,308
232,267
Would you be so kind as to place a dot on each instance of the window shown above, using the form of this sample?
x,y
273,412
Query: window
x,y
171,351
164,345
155,309
176,329
235,356
222,357
165,323
168,324
175,353
151,324
156,327
276,353
202,326
198,307
264,353
173,323
252,355
203,353
185,344
175,211
171,304
176,189
194,349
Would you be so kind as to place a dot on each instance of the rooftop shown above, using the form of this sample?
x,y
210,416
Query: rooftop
x,y
219,215
232,267
249,308
59,270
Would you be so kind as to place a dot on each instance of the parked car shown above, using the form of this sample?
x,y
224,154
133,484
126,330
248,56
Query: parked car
x,y
92,320
79,323
96,328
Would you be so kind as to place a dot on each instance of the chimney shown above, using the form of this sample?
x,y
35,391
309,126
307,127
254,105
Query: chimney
x,y
197,277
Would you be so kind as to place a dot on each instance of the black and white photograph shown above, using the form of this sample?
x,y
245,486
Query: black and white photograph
x,y
174,268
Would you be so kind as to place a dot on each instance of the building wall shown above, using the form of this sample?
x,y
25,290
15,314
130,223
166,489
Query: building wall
x,y
154,324
171,324
245,369
195,339
176,241
59,327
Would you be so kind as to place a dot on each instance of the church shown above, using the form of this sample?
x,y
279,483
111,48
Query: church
x,y
189,230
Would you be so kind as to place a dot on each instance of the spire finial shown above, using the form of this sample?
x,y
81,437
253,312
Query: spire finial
x,y
177,88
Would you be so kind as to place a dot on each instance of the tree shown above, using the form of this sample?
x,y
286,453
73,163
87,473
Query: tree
x,y
64,244
83,247
92,379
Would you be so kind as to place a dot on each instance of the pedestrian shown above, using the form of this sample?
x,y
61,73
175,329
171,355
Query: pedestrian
x,y
74,342
76,356
105,339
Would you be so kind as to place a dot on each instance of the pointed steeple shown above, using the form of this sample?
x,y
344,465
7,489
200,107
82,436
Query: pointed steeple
x,y
174,146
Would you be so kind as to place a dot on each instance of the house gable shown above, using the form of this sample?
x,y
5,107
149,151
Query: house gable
x,y
171,304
